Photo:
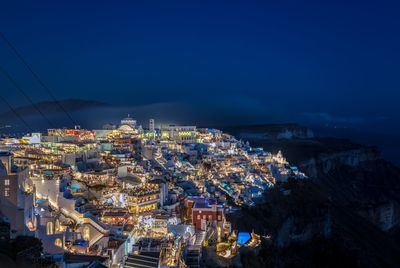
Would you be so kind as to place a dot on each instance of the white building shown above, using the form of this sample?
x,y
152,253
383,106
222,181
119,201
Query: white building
x,y
181,134
16,196
128,121
151,125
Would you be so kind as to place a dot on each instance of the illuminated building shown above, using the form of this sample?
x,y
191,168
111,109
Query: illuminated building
x,y
151,125
143,198
76,134
180,134
204,212
34,138
128,121
48,171
105,177
16,196
163,185
115,217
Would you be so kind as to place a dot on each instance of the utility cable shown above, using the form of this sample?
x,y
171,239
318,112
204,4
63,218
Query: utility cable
x,y
16,113
36,76
8,76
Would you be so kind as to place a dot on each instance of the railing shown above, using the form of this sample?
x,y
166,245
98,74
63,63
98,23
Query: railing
x,y
97,225
95,240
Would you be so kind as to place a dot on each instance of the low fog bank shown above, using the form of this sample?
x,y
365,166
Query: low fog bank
x,y
202,113
219,113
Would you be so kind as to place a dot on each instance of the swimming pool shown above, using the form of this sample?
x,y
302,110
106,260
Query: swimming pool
x,y
40,201
243,238
75,187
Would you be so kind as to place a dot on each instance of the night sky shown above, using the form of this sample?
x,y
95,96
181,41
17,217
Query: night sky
x,y
321,61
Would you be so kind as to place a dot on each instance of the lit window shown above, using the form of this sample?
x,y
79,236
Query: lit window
x,y
7,192
198,217
219,217
7,182
86,233
49,228
58,242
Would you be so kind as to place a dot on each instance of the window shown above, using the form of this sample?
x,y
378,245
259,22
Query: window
x,y
86,233
7,182
57,226
219,217
204,217
7,192
58,242
49,228
198,217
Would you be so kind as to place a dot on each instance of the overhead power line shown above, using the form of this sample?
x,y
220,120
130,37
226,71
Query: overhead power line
x,y
36,76
16,114
8,76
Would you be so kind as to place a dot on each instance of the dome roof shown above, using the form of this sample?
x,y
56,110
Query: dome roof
x,y
125,127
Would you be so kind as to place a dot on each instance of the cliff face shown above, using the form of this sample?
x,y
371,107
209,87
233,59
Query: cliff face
x,y
293,212
308,228
295,133
291,231
355,176
271,132
347,211
385,215
360,180
323,163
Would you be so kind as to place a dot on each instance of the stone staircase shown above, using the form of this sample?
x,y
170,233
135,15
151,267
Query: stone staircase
x,y
193,254
200,236
142,261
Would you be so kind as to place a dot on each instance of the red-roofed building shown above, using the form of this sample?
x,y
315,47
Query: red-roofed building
x,y
204,212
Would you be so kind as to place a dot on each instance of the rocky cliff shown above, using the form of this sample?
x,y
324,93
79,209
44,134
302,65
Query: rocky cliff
x,y
325,162
271,132
360,180
346,212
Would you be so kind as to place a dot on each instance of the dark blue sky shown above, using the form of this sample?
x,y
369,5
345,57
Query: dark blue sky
x,y
336,61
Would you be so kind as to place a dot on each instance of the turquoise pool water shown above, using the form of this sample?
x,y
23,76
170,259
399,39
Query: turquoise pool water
x,y
243,238
75,187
